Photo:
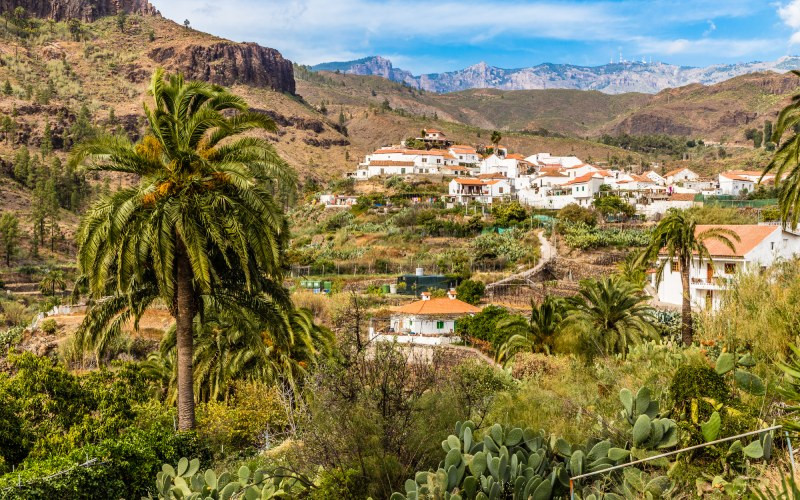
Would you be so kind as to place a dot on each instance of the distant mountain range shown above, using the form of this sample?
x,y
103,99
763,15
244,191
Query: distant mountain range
x,y
614,78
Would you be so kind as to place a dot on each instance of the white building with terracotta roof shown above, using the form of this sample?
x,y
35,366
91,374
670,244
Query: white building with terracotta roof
x,y
465,155
543,160
740,182
760,247
655,177
400,161
485,191
680,175
510,166
429,321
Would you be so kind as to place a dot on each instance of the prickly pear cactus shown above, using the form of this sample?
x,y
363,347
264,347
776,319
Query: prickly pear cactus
x,y
186,482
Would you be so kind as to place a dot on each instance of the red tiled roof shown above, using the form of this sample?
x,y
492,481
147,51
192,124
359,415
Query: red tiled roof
x,y
581,179
750,236
681,197
676,171
442,306
391,163
470,182
492,175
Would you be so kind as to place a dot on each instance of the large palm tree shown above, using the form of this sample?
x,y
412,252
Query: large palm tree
x,y
613,312
785,164
203,225
677,239
537,334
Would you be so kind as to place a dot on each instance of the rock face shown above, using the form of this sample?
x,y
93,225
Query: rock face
x,y
227,63
85,10
613,78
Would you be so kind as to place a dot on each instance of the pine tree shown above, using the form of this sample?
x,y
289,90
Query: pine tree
x,y
21,164
7,88
47,140
82,129
9,236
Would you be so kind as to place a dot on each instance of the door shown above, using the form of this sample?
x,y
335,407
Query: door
x,y
709,300
709,272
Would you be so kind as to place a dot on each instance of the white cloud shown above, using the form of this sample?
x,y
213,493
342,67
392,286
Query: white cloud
x,y
313,31
790,15
730,47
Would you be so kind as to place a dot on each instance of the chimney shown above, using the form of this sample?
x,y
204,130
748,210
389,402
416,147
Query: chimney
x,y
451,294
425,296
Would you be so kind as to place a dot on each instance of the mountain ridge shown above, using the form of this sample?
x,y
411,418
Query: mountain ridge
x,y
612,78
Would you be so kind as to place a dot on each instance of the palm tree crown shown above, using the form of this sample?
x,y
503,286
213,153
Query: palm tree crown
x,y
537,334
613,312
202,227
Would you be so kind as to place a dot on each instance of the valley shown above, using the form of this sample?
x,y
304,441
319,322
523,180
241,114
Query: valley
x,y
226,274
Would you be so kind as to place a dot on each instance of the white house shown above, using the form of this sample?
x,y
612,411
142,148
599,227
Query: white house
x,y
660,206
337,200
428,321
680,175
586,186
544,160
653,176
400,161
493,164
739,182
465,155
760,247
431,134
487,191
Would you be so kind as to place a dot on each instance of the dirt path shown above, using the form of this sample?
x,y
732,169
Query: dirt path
x,y
547,251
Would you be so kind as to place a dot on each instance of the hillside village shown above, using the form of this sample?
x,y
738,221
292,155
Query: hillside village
x,y
488,174
278,282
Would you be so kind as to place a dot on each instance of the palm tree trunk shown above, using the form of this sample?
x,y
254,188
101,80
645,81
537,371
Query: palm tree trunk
x,y
184,314
686,308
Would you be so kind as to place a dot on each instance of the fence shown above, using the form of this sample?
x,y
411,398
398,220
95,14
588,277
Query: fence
x,y
731,201
386,267
675,452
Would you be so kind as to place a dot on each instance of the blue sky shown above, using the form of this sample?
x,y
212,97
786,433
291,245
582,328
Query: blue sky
x,y
444,35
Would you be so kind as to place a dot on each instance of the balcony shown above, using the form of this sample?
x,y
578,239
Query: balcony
x,y
714,283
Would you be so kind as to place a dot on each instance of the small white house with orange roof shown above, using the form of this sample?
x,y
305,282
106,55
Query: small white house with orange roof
x,y
466,155
760,246
586,186
739,182
680,175
487,191
428,321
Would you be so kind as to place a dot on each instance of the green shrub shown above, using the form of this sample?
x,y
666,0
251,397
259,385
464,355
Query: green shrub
x,y
49,326
575,214
693,382
582,236
470,291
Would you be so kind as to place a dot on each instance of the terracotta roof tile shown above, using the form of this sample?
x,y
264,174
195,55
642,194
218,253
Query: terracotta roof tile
x,y
442,306
391,163
750,236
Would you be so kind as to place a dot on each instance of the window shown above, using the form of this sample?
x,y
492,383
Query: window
x,y
403,170
676,266
772,245
730,268
500,190
439,325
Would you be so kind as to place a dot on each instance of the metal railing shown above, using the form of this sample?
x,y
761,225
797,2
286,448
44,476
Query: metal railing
x,y
674,452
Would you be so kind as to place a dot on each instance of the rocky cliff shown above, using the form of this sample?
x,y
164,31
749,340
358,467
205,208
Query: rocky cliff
x,y
227,63
85,10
